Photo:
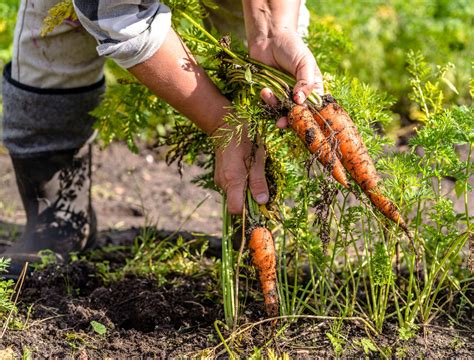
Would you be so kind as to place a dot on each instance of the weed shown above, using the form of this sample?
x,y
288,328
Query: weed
x,y
27,354
457,343
47,258
75,340
337,344
6,291
98,327
407,332
401,352
367,345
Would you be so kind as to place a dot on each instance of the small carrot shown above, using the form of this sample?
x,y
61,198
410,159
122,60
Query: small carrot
x,y
264,259
335,121
302,122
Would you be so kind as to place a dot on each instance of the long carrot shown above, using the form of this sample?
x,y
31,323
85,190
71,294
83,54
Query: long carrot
x,y
302,122
335,121
264,259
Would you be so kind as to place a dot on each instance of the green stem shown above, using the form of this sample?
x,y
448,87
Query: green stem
x,y
207,34
227,277
278,75
466,202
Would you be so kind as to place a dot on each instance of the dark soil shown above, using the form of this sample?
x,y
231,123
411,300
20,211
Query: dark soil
x,y
143,320
176,320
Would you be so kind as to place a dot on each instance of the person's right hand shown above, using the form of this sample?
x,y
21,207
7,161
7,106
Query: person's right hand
x,y
286,51
237,166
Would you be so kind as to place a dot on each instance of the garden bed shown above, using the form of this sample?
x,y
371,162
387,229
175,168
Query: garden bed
x,y
176,320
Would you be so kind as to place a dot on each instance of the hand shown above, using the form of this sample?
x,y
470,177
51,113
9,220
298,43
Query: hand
x,y
286,50
235,167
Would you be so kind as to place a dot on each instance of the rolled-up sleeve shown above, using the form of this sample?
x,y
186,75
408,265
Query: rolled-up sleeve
x,y
129,32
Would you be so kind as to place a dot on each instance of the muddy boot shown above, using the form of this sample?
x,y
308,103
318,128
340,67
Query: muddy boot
x,y
47,132
55,191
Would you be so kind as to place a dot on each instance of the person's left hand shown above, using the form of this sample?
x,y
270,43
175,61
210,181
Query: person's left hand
x,y
238,164
286,50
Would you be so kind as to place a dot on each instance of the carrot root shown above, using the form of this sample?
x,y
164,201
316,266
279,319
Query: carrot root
x,y
302,122
336,122
264,259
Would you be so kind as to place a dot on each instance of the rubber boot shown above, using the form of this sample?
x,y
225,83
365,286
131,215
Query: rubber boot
x,y
47,132
55,190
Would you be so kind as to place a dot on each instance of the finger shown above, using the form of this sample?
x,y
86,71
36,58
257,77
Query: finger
x,y
319,85
282,122
306,75
267,95
257,182
235,191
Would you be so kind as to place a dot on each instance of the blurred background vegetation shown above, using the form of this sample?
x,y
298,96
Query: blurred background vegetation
x,y
369,40
373,38
8,9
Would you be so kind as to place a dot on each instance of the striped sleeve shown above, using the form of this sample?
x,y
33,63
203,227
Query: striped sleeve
x,y
129,32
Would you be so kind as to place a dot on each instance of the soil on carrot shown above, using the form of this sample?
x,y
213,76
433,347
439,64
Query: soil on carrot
x,y
174,317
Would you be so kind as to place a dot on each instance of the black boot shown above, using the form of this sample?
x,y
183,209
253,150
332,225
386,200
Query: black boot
x,y
55,190
45,130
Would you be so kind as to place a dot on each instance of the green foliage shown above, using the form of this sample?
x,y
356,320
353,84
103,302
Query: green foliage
x,y
6,291
367,345
381,33
47,258
337,256
323,34
407,332
336,338
129,110
381,265
8,9
157,257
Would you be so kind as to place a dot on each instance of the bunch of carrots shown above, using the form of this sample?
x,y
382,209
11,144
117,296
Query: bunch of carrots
x,y
327,131
330,134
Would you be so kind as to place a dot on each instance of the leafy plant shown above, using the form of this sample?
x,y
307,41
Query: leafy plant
x,y
8,10
6,291
98,327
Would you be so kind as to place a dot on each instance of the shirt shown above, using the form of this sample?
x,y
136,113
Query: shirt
x,y
128,31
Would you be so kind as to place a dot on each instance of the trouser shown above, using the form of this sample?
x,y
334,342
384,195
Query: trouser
x,y
53,82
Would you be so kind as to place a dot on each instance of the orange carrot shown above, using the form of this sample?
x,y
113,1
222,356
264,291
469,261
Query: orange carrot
x,y
335,122
264,260
302,122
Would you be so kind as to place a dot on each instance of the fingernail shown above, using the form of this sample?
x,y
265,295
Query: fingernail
x,y
262,198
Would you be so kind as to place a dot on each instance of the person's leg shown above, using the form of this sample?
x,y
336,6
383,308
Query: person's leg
x,y
49,89
228,18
